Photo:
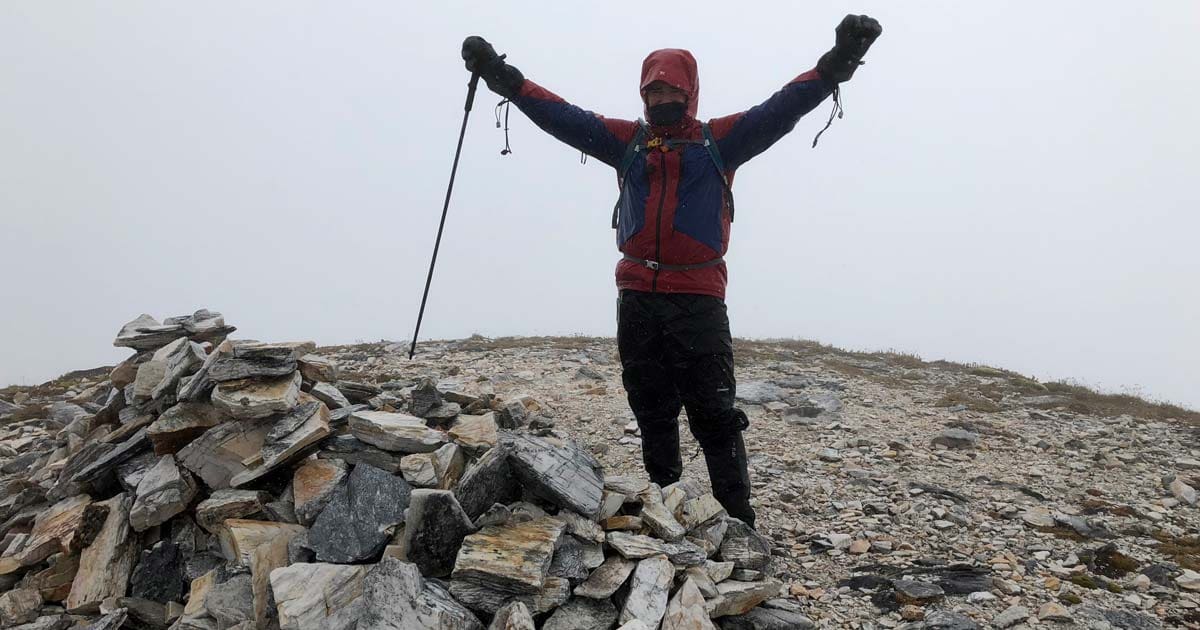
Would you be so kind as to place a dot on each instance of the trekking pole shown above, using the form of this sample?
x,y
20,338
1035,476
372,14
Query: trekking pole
x,y
445,207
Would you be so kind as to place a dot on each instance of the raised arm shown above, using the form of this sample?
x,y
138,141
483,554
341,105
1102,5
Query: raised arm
x,y
602,138
745,135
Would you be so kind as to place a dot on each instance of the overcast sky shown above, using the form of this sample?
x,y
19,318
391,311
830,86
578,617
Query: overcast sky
x,y
1014,183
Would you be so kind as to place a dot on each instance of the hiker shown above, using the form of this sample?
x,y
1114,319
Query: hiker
x,y
672,220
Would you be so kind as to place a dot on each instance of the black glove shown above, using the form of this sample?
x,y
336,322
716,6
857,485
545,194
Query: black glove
x,y
481,57
855,35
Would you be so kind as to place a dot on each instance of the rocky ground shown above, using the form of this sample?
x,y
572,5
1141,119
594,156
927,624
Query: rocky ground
x,y
893,492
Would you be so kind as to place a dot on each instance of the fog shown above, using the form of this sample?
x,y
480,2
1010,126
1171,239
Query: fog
x,y
1013,182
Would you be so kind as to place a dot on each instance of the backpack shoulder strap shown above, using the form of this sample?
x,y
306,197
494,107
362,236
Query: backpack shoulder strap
x,y
631,151
710,143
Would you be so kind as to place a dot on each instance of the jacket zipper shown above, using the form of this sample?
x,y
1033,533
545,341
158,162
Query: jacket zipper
x,y
662,199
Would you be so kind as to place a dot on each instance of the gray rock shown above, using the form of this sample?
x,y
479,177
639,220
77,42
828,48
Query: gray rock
x,y
47,622
395,432
488,481
180,358
329,395
112,621
561,473
358,393
488,600
1112,619
607,578
290,436
19,606
1011,616
355,525
425,396
744,547
159,574
251,359
249,399
583,614
396,597
947,620
353,451
737,598
220,453
8,409
956,439
181,424
228,503
648,590
759,392
165,490
917,593
637,547
146,333
568,560
512,415
658,518
316,368
231,602
106,463
513,616
767,619
434,528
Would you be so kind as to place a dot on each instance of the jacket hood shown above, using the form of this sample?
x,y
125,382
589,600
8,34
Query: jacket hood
x,y
675,67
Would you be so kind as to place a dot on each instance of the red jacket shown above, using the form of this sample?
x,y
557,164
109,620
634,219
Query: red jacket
x,y
673,208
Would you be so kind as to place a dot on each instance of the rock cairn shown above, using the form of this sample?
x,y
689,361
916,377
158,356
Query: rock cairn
x,y
212,484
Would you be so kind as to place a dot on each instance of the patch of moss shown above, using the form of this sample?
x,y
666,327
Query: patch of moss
x,y
1070,599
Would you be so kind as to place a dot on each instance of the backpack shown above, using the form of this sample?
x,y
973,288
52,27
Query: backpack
x,y
639,144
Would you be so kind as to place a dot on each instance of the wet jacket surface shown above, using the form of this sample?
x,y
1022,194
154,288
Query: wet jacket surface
x,y
673,205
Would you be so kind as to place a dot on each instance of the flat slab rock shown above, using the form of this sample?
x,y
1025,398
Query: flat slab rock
x,y
636,547
395,432
247,399
560,472
513,558
289,436
607,578
583,614
648,590
355,524
737,598
767,619
181,424
249,359
220,453
554,592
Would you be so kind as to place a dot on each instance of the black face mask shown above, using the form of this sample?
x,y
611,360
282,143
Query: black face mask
x,y
666,114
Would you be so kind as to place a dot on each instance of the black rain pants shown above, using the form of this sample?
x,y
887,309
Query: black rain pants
x,y
677,352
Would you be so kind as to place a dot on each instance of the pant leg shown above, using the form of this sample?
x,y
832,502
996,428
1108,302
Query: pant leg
x,y
701,346
649,386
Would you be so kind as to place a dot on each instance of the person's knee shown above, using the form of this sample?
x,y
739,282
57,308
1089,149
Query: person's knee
x,y
717,428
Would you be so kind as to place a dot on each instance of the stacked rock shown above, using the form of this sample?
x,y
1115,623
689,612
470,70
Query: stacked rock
x,y
211,484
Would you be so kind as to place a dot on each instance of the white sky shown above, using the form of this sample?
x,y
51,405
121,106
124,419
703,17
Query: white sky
x,y
1014,182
